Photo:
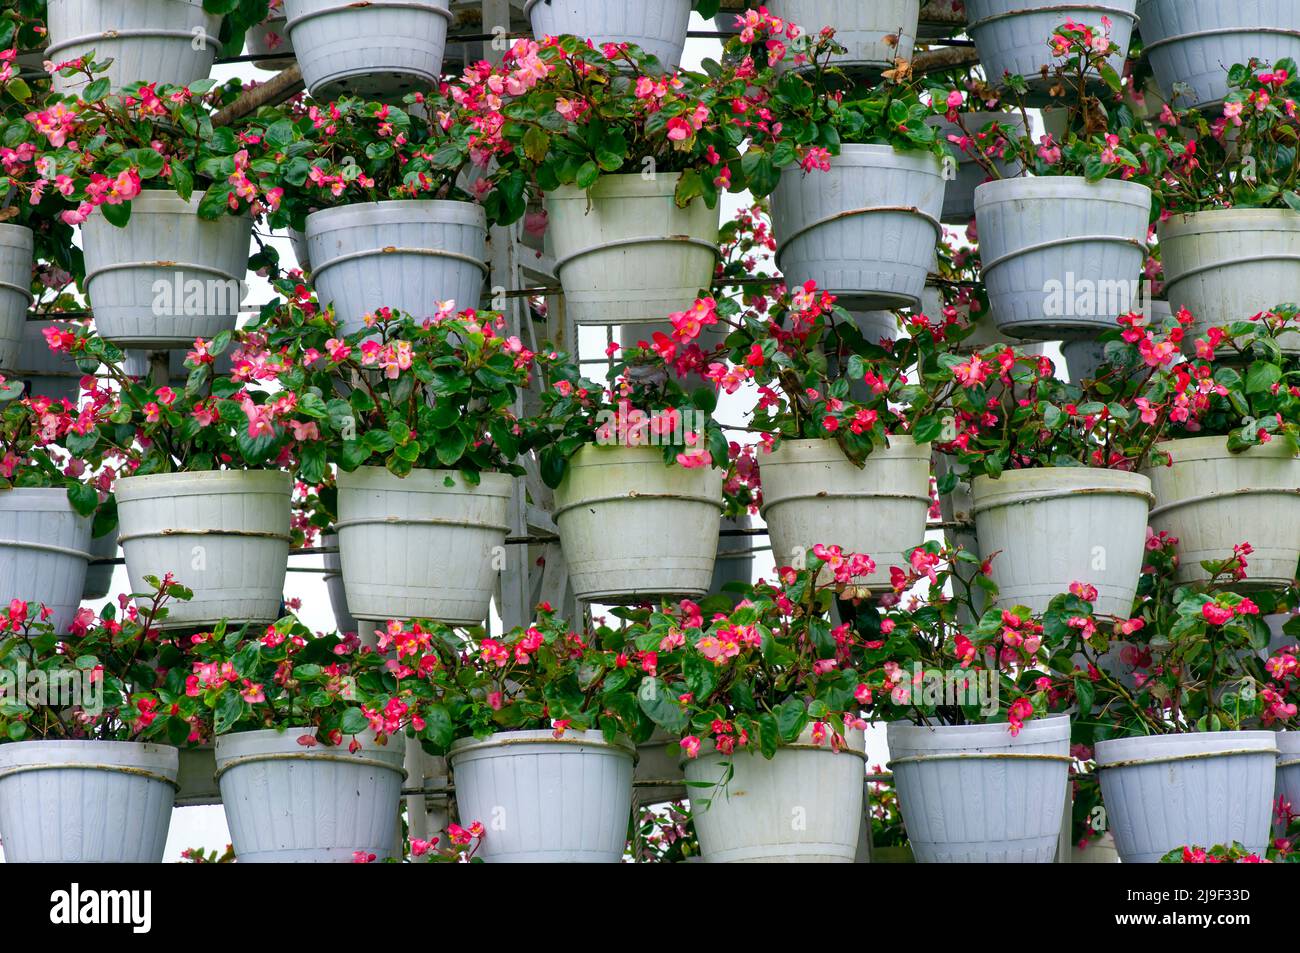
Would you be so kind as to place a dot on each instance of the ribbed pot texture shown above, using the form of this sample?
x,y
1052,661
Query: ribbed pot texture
x,y
1212,499
270,42
977,794
625,253
169,276
968,175
46,373
862,28
334,586
224,534
659,28
633,529
16,244
44,549
1228,265
1287,781
149,40
381,50
735,561
86,802
1163,792
1196,42
1062,256
543,799
415,547
99,578
865,230
813,495
286,803
405,255
802,807
658,760
1059,525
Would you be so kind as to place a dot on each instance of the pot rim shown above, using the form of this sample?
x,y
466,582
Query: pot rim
x,y
989,493
1188,224
1118,753
425,480
590,738
1051,187
158,762
149,485
904,734
396,205
621,185
1198,449
284,747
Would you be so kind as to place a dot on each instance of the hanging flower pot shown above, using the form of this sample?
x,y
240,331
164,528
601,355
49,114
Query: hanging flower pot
x,y
864,231
383,49
1083,359
1061,255
545,799
45,372
44,550
634,529
659,28
223,533
169,276
875,35
404,255
289,803
86,802
659,776
333,579
814,495
743,803
1212,499
1163,792
269,42
1287,782
1228,265
1011,36
16,244
99,575
1054,526
158,41
625,253
1193,43
424,546
735,560
978,793
967,176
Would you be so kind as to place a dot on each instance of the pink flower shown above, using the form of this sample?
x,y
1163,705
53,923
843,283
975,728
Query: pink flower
x,y
1216,614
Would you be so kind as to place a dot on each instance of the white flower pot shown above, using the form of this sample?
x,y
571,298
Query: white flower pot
x,y
659,776
16,244
405,255
978,794
802,807
270,42
877,326
1228,265
195,781
1011,36
86,802
1212,500
44,550
813,494
378,50
99,577
865,230
864,29
286,803
1099,851
735,559
1195,42
46,373
334,586
1083,359
1061,256
1163,792
968,175
169,276
416,548
223,534
544,799
658,27
1287,781
626,254
162,41
633,528
1059,525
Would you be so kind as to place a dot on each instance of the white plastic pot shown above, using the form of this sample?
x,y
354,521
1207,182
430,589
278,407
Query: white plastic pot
x,y
269,41
1083,359
46,373
418,548
333,579
634,529
968,175
1099,851
286,803
169,276
1011,36
1194,43
99,576
978,794
1228,265
44,550
1212,499
156,41
813,494
735,560
864,29
625,253
1286,788
16,244
1055,526
1061,256
86,802
877,326
659,27
544,799
802,807
382,49
865,230
405,255
223,533
659,776
1163,792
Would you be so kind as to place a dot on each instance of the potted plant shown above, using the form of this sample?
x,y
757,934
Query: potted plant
x,y
875,36
659,29
89,761
16,258
989,128
269,40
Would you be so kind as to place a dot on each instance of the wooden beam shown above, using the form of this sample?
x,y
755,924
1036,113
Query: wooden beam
x,y
944,58
277,89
